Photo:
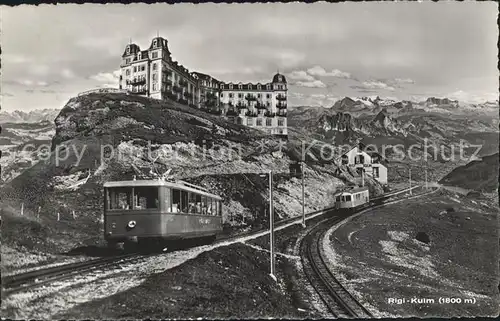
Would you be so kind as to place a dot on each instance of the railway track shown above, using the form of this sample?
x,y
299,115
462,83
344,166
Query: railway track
x,y
337,299
28,280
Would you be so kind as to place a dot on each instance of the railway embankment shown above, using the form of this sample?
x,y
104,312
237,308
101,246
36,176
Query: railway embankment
x,y
431,256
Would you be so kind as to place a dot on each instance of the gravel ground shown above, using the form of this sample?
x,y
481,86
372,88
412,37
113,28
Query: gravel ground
x,y
376,256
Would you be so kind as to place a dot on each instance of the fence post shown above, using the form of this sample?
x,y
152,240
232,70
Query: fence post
x,y
58,217
22,209
74,215
38,213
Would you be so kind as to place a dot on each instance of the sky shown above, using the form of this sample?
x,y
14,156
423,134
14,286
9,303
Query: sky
x,y
400,50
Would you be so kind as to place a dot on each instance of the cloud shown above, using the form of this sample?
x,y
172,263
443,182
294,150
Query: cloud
x,y
300,75
311,84
472,97
27,82
404,81
321,72
67,73
107,77
374,85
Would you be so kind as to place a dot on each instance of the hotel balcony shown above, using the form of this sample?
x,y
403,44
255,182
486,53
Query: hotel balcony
x,y
136,81
281,105
281,114
260,105
280,97
250,98
250,114
138,91
183,83
241,105
269,114
177,89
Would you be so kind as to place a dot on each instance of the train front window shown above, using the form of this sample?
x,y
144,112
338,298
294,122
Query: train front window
x,y
120,198
348,198
146,197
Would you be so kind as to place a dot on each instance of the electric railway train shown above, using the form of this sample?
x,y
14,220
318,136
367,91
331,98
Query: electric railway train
x,y
152,212
352,199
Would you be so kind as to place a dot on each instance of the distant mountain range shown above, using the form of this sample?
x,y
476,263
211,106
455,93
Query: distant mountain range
x,y
34,116
378,121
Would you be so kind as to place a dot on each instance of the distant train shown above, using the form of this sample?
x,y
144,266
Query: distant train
x,y
148,213
352,199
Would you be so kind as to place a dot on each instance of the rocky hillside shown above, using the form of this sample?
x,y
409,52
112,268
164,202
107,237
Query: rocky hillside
x,y
480,175
100,137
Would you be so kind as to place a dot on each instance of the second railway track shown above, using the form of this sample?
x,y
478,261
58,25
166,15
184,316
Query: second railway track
x,y
336,298
25,281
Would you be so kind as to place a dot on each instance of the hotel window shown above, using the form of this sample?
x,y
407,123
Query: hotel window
x,y
280,122
139,56
154,66
143,68
154,86
268,103
259,122
268,96
230,86
269,122
240,86
259,96
230,95
127,72
154,76
258,87
268,87
128,50
155,55
240,95
127,61
154,43
221,95
249,121
135,69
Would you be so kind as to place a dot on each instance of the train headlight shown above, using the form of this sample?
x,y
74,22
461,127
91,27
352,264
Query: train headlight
x,y
132,224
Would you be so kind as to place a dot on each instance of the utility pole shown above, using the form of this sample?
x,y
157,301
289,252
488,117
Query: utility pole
x,y
362,177
303,196
271,222
409,171
426,185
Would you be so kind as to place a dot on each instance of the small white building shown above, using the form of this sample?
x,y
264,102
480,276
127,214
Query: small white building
x,y
367,162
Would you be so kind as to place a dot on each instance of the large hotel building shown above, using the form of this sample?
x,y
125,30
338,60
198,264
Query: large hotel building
x,y
153,73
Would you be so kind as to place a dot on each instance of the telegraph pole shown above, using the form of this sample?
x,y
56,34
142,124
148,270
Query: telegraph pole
x,y
426,185
271,222
362,177
409,170
303,196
